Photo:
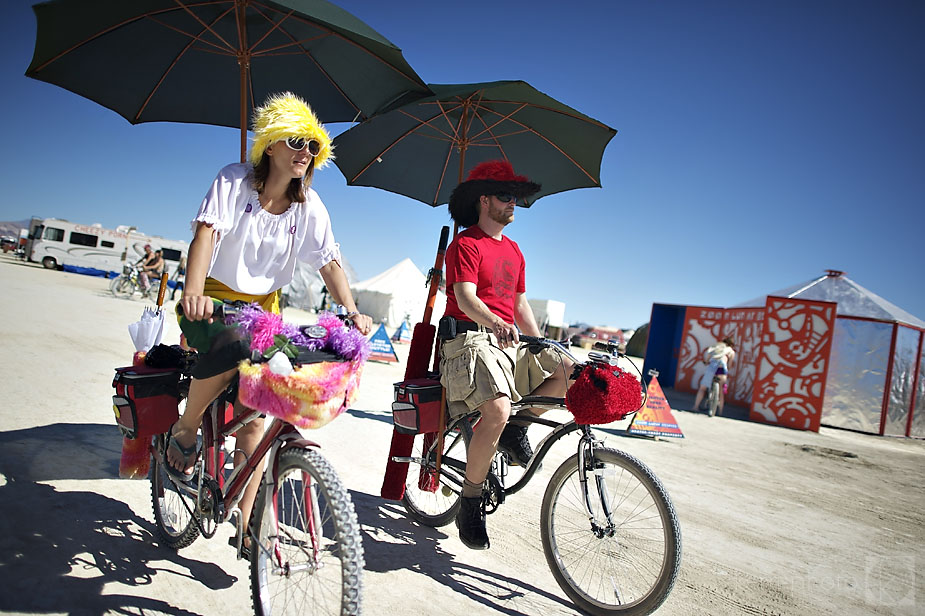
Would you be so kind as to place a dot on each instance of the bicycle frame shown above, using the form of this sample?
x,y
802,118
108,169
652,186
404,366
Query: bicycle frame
x,y
278,437
586,446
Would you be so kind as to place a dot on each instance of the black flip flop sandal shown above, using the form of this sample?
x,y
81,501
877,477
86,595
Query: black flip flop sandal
x,y
189,457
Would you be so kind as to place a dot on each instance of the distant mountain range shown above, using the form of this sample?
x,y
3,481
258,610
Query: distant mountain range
x,y
13,228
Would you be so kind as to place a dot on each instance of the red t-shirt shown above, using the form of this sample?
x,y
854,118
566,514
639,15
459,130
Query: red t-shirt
x,y
495,266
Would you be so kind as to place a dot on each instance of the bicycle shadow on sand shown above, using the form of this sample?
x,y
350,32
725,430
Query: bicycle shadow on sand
x,y
392,542
60,549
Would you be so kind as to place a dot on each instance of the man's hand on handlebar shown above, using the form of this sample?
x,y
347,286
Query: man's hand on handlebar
x,y
506,334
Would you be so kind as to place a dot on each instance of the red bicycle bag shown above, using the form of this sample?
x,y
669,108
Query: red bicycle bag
x,y
416,409
146,400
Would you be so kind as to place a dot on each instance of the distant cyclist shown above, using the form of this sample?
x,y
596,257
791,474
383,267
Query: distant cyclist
x,y
717,358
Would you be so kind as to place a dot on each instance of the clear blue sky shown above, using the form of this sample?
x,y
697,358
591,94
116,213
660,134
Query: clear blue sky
x,y
759,143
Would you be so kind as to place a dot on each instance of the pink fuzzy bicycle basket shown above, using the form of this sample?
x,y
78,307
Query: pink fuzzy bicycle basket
x,y
313,393
603,394
310,397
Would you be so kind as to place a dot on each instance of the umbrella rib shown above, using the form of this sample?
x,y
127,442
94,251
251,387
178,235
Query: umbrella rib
x,y
166,72
416,80
540,135
186,8
308,55
461,144
394,143
194,37
101,33
576,115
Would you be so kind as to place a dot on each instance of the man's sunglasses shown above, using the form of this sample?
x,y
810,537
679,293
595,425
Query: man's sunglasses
x,y
505,197
299,143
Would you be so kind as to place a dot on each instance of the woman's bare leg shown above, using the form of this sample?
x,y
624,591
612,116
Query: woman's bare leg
x,y
201,394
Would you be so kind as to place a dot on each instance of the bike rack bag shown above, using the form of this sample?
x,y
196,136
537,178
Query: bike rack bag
x,y
416,409
146,401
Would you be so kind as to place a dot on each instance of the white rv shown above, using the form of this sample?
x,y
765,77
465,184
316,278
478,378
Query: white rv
x,y
57,243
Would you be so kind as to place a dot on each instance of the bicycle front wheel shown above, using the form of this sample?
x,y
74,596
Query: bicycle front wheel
x,y
714,398
431,500
624,560
175,510
306,551
124,287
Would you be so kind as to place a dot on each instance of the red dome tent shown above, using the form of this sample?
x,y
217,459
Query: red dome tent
x,y
826,351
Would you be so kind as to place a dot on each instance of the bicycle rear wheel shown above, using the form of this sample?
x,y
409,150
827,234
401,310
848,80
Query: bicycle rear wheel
x,y
714,398
153,289
430,500
622,563
306,554
175,511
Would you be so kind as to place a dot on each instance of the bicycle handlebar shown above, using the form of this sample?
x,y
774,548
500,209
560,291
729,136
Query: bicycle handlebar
x,y
610,347
226,309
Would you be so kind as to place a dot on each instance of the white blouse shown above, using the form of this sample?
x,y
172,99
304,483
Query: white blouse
x,y
256,251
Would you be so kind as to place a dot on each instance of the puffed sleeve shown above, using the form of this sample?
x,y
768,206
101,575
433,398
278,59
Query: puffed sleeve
x,y
318,246
217,208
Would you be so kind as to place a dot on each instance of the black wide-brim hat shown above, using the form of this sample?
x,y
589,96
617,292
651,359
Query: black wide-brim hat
x,y
489,178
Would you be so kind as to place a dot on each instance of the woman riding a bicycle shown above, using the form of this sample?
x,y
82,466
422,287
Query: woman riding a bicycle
x,y
256,221
717,358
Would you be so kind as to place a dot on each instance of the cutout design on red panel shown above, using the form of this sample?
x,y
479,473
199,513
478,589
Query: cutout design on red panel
x,y
792,362
702,327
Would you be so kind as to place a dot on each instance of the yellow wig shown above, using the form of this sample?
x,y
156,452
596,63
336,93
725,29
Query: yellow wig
x,y
286,115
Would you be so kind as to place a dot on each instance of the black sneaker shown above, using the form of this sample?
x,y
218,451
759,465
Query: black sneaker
x,y
470,520
514,443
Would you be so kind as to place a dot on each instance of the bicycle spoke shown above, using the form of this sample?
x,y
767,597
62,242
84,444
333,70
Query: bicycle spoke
x,y
625,555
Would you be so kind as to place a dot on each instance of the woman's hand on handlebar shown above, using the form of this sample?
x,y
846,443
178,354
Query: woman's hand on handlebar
x,y
196,307
363,323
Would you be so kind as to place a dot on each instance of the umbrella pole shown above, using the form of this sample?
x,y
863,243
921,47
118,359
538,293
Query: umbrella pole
x,y
243,64
243,110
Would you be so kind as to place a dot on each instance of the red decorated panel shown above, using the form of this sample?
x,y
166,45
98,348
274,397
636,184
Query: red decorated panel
x,y
702,327
793,360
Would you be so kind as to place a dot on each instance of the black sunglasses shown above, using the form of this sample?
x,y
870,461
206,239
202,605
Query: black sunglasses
x,y
298,143
505,197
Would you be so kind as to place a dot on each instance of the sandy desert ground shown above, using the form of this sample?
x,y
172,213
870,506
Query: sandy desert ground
x,y
774,521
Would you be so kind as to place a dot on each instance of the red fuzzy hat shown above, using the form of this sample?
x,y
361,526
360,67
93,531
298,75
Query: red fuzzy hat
x,y
602,394
489,178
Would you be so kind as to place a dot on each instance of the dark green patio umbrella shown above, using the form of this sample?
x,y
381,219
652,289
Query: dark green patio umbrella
x,y
209,61
425,148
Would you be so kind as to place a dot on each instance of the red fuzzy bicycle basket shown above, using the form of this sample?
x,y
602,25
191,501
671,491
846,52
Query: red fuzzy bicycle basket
x,y
602,394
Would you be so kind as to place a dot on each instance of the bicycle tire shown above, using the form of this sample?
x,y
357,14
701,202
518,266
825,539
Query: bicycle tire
x,y
438,507
330,581
630,571
112,283
125,288
176,527
714,398
153,290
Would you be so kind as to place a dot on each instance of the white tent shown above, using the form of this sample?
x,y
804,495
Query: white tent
x,y
304,291
397,294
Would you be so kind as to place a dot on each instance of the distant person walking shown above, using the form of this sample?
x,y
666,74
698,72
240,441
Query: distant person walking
x,y
179,275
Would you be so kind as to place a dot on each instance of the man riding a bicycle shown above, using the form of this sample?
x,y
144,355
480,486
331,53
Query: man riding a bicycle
x,y
717,358
486,303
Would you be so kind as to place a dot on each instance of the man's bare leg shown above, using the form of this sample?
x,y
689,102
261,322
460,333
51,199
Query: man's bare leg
x,y
471,516
485,438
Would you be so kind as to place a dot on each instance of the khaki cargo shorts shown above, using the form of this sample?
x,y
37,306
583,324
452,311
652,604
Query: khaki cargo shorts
x,y
474,370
